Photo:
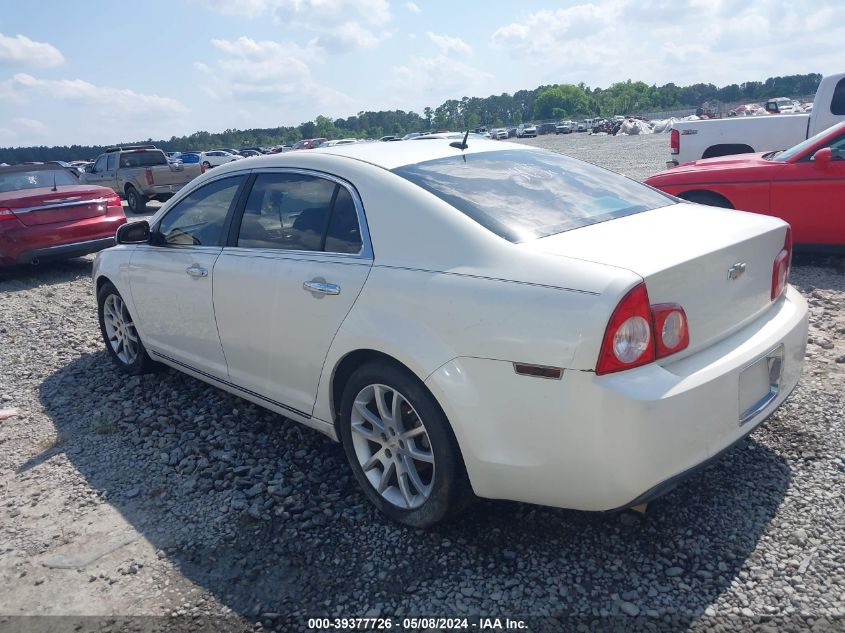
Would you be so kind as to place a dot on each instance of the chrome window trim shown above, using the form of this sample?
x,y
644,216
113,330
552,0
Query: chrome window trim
x,y
366,251
75,203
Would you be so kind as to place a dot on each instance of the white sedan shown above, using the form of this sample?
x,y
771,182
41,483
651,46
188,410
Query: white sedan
x,y
495,320
217,157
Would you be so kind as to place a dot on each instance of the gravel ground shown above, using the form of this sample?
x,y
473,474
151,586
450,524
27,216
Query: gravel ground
x,y
162,496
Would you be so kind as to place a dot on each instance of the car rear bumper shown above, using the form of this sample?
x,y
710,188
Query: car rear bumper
x,y
607,442
23,244
64,251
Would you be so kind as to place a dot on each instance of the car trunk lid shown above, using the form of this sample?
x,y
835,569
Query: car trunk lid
x,y
42,205
716,263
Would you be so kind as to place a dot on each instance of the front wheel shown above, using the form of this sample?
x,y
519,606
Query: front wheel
x,y
401,448
206,164
120,335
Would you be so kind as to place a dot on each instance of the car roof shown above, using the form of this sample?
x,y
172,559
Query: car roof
x,y
399,153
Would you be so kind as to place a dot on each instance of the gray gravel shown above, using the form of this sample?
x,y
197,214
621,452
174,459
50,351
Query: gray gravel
x,y
161,495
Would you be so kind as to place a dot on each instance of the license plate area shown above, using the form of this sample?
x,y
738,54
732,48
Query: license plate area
x,y
759,384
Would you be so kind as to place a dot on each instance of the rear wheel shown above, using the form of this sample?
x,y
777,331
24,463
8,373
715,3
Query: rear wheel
x,y
707,197
137,202
206,164
120,335
400,446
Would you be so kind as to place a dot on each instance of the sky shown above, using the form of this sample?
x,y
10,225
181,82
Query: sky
x,y
93,72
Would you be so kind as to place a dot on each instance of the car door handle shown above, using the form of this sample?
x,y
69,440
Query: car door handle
x,y
321,287
195,270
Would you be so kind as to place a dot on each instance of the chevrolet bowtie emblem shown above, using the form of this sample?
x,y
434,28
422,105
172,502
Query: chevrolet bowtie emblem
x,y
737,270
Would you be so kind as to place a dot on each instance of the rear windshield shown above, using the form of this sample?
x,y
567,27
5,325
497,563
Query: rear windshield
x,y
18,180
142,159
528,194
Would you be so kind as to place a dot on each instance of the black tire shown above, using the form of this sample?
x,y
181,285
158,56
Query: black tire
x,y
142,364
707,197
451,491
137,203
206,164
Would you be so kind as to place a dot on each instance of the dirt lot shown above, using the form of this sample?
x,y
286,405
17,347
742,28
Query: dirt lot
x,y
163,496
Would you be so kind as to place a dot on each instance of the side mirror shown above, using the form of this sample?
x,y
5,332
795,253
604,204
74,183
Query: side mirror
x,y
822,158
133,233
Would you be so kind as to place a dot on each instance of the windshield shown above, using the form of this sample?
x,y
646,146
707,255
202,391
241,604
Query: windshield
x,y
527,194
786,154
19,180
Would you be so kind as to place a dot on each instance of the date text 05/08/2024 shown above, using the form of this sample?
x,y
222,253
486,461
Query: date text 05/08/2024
x,y
416,624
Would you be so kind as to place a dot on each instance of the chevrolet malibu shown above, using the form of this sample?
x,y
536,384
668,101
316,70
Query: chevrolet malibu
x,y
487,320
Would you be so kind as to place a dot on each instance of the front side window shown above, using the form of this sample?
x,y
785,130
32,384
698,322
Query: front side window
x,y
528,194
287,211
198,219
100,165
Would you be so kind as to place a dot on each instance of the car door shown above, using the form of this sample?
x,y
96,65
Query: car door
x,y
110,174
97,173
297,259
171,278
810,196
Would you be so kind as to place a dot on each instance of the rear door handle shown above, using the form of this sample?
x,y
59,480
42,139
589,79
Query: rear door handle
x,y
195,270
321,287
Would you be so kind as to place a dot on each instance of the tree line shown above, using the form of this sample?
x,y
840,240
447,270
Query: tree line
x,y
551,102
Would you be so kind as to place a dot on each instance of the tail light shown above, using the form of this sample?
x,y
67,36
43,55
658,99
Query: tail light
x,y
670,328
6,214
114,203
149,174
675,141
639,333
627,340
780,269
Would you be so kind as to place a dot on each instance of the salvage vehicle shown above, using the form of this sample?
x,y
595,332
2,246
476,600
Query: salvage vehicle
x,y
140,173
526,130
804,185
217,157
693,140
46,214
476,318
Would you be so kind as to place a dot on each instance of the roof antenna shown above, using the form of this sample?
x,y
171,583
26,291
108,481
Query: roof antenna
x,y
54,183
463,144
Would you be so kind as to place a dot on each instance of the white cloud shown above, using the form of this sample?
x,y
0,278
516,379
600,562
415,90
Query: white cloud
x,y
448,44
412,7
718,41
23,128
341,24
275,77
111,101
428,81
22,51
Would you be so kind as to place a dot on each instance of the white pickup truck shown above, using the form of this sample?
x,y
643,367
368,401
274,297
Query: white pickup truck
x,y
693,140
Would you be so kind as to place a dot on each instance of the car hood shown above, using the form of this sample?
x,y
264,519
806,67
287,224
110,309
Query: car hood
x,y
713,166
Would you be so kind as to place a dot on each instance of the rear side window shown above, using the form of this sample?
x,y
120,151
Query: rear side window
x,y
287,211
528,194
198,219
837,104
112,162
300,212
343,235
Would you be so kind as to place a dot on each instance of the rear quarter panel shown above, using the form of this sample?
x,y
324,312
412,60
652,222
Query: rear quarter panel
x,y
761,133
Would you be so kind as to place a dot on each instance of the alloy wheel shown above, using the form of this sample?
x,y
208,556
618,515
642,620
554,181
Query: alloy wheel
x,y
392,446
120,329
